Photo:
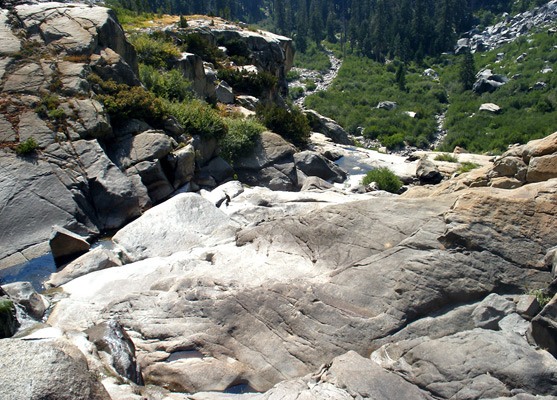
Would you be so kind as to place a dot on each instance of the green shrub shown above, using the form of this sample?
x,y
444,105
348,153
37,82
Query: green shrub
x,y
169,85
198,118
153,51
446,157
253,83
122,101
196,44
310,85
292,75
296,92
292,125
26,147
385,178
240,139
467,166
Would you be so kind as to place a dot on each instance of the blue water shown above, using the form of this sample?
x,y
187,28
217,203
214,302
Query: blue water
x,y
37,271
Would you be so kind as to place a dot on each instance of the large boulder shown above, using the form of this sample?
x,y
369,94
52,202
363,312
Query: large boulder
x,y
146,146
271,164
544,327
488,81
313,164
44,370
428,173
66,245
328,127
77,29
95,260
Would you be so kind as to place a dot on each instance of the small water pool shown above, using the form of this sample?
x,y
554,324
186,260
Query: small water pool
x,y
37,271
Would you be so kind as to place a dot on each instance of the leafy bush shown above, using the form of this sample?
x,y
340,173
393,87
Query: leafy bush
x,y
385,178
196,44
26,147
154,51
237,50
292,125
296,92
169,85
240,139
310,85
198,118
292,75
446,157
467,166
122,101
253,83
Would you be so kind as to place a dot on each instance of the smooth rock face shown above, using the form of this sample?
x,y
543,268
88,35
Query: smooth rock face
x,y
282,296
28,215
178,224
41,370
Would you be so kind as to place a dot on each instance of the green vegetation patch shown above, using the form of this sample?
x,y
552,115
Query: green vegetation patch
x,y
385,178
122,101
526,114
153,50
446,157
292,124
252,83
313,58
198,118
170,85
27,147
360,86
240,139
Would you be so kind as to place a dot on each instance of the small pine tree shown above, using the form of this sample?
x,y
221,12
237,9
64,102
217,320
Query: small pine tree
x,y
400,77
467,71
183,22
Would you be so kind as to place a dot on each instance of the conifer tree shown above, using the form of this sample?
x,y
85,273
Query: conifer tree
x,y
400,77
467,71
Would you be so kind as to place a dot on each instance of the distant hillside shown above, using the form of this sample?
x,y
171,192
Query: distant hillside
x,y
526,103
408,29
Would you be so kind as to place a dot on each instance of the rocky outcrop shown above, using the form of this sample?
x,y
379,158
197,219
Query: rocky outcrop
x,y
488,82
509,29
277,297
